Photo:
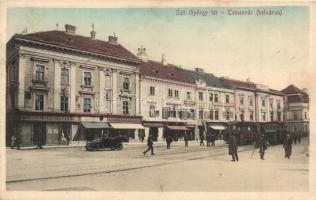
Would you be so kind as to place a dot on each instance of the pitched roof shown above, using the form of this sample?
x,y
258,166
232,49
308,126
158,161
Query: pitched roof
x,y
239,84
78,42
291,89
209,79
167,72
298,98
277,92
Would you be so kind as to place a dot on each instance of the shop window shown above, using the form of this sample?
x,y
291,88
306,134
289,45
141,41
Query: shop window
x,y
40,70
125,108
64,76
87,105
64,103
39,102
87,78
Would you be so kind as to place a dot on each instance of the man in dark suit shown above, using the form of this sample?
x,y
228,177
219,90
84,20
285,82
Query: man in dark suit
x,y
168,140
150,144
186,140
262,145
232,148
287,145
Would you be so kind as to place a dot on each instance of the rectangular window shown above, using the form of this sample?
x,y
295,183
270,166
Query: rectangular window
x,y
40,69
211,115
263,116
87,78
86,105
263,103
211,97
250,101
64,103
188,95
216,97
200,114
227,114
227,98
125,83
279,105
125,108
279,116
216,114
170,93
251,115
271,116
176,93
152,111
241,100
152,91
39,102
64,76
200,96
305,114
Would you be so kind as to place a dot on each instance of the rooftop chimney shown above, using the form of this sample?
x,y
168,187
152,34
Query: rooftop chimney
x,y
199,70
113,39
92,33
163,59
141,53
305,90
70,29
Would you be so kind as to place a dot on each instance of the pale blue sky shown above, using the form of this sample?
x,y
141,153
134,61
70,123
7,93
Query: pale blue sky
x,y
271,50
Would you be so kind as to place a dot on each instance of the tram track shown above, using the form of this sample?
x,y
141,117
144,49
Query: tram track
x,y
136,167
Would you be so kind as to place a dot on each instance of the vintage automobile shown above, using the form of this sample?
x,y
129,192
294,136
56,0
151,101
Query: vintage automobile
x,y
114,143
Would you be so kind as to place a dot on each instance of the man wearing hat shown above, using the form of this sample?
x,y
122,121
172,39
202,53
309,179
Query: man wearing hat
x,y
232,147
262,145
287,145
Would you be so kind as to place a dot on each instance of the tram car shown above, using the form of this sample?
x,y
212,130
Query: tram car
x,y
246,132
274,132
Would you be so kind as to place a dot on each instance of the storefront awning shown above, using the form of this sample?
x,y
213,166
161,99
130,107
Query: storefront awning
x,y
179,128
95,125
126,126
218,127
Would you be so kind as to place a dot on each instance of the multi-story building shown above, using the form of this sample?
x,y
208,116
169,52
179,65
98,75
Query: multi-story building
x,y
296,110
269,104
59,82
167,99
215,104
245,99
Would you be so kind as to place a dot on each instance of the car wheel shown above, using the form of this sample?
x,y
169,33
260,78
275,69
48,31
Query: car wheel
x,y
112,147
119,146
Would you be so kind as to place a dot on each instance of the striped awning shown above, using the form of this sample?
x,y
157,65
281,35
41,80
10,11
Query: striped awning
x,y
95,125
126,126
179,128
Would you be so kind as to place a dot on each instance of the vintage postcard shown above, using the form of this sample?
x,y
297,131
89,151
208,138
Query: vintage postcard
x,y
158,100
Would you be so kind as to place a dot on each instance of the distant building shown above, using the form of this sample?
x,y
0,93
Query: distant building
x,y
60,83
215,102
167,99
296,110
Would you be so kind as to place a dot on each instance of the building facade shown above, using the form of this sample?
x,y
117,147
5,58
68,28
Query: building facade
x,y
167,100
296,110
215,102
60,83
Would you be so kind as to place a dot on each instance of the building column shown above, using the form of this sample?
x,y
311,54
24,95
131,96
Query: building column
x,y
57,69
137,95
21,90
160,134
114,89
73,87
101,92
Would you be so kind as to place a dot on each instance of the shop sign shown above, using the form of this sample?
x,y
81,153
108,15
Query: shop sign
x,y
49,118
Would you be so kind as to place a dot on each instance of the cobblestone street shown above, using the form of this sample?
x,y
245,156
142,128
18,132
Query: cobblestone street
x,y
196,168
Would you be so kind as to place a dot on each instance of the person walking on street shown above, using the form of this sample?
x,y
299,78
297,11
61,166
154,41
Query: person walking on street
x,y
287,145
186,140
295,138
168,140
232,147
208,140
150,144
13,139
202,140
262,145
213,137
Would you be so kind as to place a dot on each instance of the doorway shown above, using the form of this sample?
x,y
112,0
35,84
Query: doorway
x,y
39,133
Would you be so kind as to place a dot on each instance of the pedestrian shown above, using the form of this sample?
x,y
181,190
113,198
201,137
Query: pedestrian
x,y
186,140
208,140
150,144
18,139
232,147
168,140
213,137
143,137
299,138
287,145
262,145
202,140
13,138
67,138
295,138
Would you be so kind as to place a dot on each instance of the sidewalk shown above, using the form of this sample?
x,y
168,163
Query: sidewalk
x,y
75,144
